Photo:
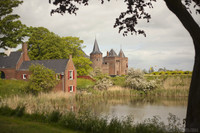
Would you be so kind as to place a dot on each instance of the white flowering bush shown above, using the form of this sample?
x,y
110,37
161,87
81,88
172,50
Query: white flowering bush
x,y
103,82
135,80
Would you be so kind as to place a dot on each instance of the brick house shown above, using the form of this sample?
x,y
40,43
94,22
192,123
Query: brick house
x,y
111,64
16,66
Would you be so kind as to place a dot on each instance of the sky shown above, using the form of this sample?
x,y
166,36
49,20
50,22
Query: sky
x,y
167,44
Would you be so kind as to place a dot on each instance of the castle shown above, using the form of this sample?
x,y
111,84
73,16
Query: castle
x,y
111,64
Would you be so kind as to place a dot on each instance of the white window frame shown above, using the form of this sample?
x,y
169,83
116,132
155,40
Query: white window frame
x,y
71,88
71,75
24,76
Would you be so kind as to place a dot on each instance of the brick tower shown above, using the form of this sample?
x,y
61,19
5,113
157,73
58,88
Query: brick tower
x,y
96,56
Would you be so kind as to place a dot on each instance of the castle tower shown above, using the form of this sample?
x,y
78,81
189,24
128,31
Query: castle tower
x,y
123,63
121,53
96,56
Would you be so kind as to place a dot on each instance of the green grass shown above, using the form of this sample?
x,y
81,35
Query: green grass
x,y
12,87
84,84
119,81
16,125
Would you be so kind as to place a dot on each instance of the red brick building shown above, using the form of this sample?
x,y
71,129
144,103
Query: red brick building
x,y
16,66
111,64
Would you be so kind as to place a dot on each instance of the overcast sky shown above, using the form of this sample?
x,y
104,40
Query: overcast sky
x,y
167,43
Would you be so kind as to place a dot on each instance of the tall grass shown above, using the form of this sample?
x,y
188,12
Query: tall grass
x,y
92,124
43,103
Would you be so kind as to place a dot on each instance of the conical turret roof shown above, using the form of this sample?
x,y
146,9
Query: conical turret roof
x,y
122,53
96,48
112,53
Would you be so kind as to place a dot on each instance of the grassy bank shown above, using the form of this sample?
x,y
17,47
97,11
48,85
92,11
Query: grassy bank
x,y
12,87
83,122
17,125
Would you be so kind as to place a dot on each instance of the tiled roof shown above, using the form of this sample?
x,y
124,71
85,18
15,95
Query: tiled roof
x,y
10,61
57,65
96,48
112,53
121,53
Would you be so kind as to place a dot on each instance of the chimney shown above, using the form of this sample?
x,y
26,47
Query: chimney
x,y
107,53
25,52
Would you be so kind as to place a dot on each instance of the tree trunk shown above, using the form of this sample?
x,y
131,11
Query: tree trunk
x,y
193,109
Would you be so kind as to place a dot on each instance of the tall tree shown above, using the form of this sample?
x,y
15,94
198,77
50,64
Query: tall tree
x,y
136,9
44,44
12,30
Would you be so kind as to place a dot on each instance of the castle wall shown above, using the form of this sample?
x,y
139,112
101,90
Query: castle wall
x,y
111,62
124,66
105,68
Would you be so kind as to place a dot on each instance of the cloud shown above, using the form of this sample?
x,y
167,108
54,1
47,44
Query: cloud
x,y
167,44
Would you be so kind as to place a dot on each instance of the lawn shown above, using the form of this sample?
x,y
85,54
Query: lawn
x,y
16,125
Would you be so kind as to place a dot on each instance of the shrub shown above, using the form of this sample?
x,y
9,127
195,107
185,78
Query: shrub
x,y
136,80
103,82
42,79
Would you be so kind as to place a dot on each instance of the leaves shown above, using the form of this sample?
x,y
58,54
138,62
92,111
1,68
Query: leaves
x,y
44,44
42,79
12,30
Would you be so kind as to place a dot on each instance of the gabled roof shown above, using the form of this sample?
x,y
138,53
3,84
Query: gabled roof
x,y
10,61
112,53
121,53
57,65
96,48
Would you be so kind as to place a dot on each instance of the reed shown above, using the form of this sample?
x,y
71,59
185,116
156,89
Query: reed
x,y
87,122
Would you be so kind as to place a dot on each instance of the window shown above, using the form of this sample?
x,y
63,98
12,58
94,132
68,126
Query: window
x,y
24,76
71,88
71,75
58,76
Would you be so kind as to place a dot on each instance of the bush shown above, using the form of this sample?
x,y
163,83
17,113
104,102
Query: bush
x,y
42,79
103,82
135,80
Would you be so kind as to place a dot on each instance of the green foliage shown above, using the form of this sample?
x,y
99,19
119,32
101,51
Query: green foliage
x,y
18,125
82,65
119,81
172,73
42,79
44,44
12,30
84,84
135,80
12,87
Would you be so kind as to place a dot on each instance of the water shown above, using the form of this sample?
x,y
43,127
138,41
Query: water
x,y
141,109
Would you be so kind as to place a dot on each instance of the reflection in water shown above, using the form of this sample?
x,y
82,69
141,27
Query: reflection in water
x,y
139,108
